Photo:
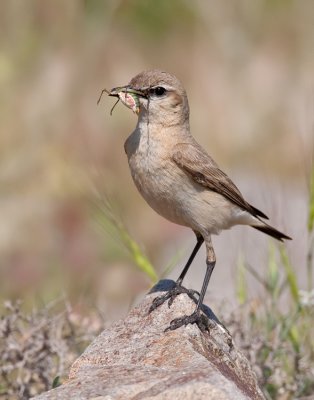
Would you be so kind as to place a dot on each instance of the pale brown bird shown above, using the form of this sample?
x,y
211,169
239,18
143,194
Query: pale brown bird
x,y
178,179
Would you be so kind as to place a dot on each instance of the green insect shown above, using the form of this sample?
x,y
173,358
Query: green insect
x,y
129,97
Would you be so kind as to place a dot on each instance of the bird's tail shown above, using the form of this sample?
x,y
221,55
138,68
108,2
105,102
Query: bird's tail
x,y
269,230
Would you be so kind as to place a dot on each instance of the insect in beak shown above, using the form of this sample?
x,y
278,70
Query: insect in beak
x,y
128,96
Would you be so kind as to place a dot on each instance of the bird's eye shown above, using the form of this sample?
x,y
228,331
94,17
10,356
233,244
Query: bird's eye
x,y
158,91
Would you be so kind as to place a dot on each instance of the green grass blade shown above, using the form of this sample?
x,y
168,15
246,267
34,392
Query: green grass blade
x,y
241,285
56,382
310,226
172,263
273,273
310,223
140,260
290,275
110,222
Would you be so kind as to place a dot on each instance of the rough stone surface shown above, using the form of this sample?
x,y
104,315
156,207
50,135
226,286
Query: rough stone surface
x,y
135,359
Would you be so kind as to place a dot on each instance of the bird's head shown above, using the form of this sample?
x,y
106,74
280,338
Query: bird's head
x,y
156,96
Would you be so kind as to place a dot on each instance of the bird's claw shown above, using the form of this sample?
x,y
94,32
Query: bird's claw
x,y
180,289
171,295
196,318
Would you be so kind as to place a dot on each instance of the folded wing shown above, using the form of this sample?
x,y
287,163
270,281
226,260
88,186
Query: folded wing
x,y
196,163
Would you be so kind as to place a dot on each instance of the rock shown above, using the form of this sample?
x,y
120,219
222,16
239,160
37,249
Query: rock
x,y
135,359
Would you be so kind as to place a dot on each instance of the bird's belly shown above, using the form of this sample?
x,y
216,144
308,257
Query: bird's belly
x,y
175,197
159,191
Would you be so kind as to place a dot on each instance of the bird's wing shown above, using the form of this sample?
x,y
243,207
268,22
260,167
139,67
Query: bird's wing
x,y
196,163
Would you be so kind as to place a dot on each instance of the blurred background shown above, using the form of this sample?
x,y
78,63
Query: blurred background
x,y
73,226
71,218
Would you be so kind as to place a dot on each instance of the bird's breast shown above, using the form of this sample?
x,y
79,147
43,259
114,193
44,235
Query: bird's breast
x,y
156,177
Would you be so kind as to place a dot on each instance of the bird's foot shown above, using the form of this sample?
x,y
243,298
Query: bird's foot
x,y
171,295
196,318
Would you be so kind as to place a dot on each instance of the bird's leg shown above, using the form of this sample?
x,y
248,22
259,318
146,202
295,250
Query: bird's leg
x,y
178,288
199,243
197,317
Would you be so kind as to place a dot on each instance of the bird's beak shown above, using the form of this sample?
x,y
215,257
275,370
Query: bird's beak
x,y
126,89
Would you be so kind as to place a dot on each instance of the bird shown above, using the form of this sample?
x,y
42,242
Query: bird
x,y
180,180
